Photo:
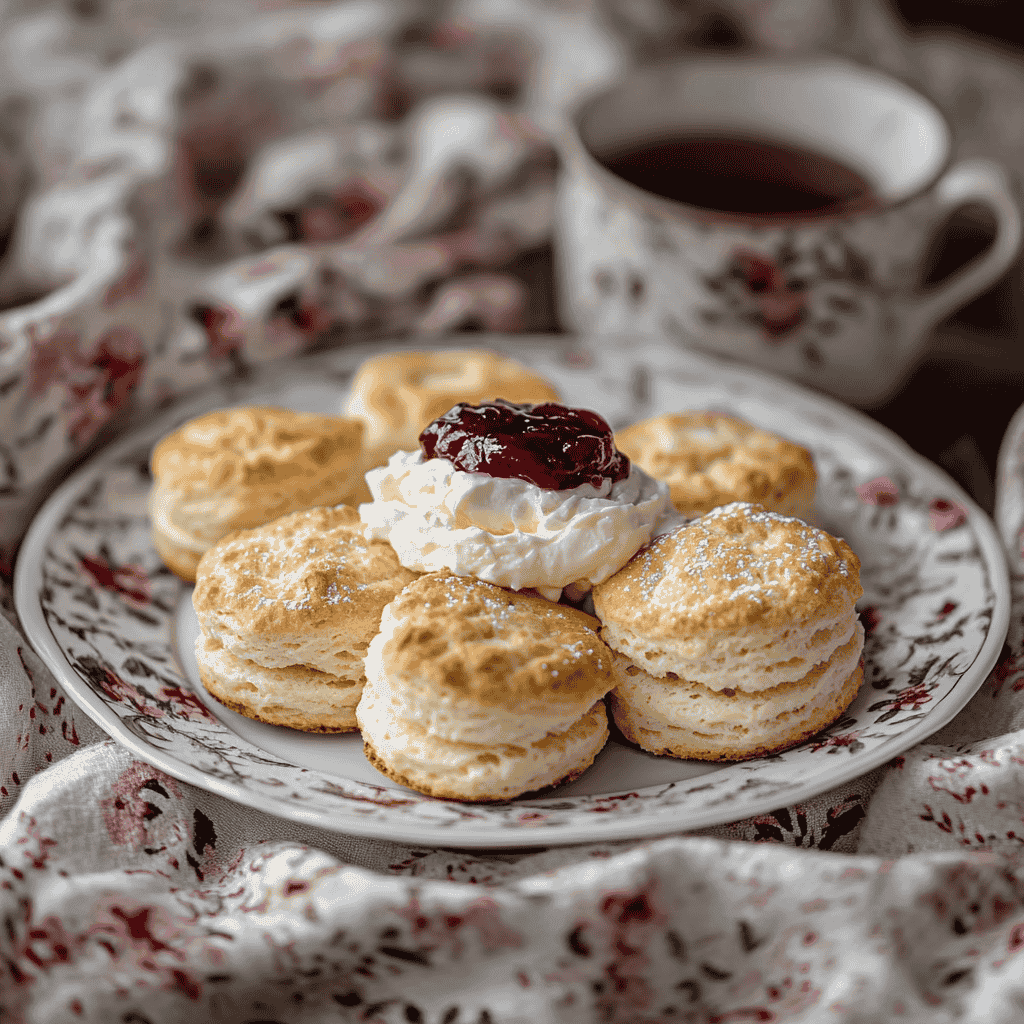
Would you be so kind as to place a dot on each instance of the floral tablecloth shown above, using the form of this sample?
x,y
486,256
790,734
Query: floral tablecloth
x,y
147,256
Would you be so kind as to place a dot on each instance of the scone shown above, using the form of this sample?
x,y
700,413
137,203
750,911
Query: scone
x,y
235,469
736,635
476,693
709,459
396,395
286,613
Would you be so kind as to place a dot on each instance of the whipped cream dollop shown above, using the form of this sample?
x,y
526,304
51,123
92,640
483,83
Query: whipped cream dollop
x,y
508,531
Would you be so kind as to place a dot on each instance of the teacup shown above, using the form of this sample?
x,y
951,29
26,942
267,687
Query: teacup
x,y
779,212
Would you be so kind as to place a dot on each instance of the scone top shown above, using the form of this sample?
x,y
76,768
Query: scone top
x,y
311,570
548,444
737,568
256,446
475,643
710,459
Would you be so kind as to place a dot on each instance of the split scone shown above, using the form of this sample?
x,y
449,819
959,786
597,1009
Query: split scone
x,y
476,693
736,635
239,468
286,613
709,459
396,395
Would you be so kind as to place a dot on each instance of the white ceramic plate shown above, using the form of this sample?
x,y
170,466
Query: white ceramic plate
x,y
117,628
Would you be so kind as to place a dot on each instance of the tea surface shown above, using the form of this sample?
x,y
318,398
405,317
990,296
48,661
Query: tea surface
x,y
742,176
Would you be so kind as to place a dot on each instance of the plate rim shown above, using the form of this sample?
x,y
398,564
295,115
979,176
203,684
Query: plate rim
x,y
486,835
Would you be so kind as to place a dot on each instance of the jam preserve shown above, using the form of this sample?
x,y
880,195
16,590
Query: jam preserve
x,y
550,445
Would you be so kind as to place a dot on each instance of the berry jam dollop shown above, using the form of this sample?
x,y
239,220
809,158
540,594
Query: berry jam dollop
x,y
550,445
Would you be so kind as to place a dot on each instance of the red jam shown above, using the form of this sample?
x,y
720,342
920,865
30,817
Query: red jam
x,y
550,445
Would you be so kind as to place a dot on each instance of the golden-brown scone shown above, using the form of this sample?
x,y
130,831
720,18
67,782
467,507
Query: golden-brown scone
x,y
286,613
396,395
238,468
736,634
709,459
478,693
684,719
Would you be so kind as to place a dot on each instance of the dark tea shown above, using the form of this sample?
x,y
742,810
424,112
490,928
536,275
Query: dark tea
x,y
742,176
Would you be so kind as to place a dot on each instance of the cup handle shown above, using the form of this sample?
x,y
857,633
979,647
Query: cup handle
x,y
987,183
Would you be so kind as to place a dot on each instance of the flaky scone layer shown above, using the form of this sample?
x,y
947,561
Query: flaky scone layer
x,y
196,520
710,459
442,768
684,719
295,696
752,661
397,394
307,589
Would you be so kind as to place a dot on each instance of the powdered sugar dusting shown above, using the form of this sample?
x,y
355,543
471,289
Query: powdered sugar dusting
x,y
464,596
744,550
309,566
461,594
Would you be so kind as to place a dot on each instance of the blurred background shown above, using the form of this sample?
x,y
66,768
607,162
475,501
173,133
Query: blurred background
x,y
189,187
977,351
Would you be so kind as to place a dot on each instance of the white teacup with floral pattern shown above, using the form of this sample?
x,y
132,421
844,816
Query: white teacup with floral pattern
x,y
830,296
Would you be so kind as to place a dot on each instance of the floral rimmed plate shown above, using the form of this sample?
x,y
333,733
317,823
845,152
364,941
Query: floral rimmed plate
x,y
117,628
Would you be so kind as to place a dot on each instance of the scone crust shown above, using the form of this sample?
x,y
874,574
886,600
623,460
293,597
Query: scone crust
x,y
397,394
737,568
680,739
309,572
711,459
238,468
257,447
477,642
592,733
181,559
236,691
